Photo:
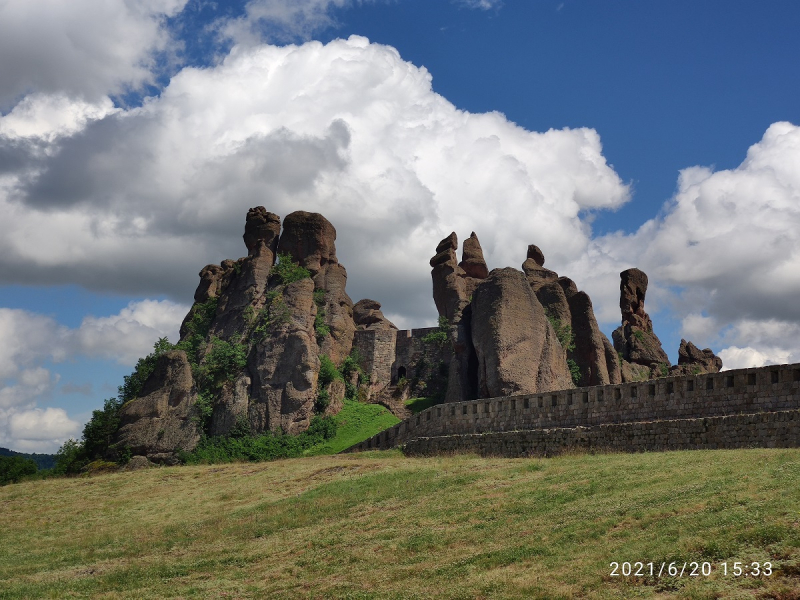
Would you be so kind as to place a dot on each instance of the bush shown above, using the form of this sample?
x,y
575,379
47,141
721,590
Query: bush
x,y
133,383
327,372
223,363
14,468
99,432
574,371
287,271
350,365
320,326
267,446
563,332
440,337
70,458
197,328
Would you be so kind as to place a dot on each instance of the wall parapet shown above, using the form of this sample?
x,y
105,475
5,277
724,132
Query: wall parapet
x,y
771,389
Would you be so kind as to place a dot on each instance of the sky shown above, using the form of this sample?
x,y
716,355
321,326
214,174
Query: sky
x,y
135,134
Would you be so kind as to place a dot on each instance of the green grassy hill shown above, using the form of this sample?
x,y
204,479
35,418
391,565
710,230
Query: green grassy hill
x,y
381,525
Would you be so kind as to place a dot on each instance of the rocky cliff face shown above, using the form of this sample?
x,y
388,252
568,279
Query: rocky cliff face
x,y
502,340
591,355
250,346
161,419
516,347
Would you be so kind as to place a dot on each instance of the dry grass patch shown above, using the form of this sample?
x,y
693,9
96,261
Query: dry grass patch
x,y
380,525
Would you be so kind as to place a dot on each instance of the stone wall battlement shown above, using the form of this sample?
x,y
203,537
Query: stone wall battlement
x,y
736,392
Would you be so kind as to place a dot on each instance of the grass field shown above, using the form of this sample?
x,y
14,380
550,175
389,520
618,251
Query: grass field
x,y
380,525
356,422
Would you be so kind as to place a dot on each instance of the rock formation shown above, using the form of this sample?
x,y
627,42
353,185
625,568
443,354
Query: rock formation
x,y
693,361
310,240
161,419
452,289
516,346
635,340
251,343
572,314
367,315
250,347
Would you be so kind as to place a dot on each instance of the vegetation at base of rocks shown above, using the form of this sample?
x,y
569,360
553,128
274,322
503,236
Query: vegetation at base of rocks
x,y
240,446
441,336
379,524
566,337
14,468
351,366
96,442
320,327
287,271
662,370
355,423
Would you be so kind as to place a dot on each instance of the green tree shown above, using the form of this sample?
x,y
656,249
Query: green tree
x,y
133,383
99,432
14,468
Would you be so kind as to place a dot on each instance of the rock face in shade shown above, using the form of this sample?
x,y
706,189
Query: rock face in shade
x,y
693,361
311,241
367,315
635,339
284,365
592,352
160,422
449,286
516,347
453,287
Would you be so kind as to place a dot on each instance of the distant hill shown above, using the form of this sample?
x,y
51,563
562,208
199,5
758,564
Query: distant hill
x,y
44,461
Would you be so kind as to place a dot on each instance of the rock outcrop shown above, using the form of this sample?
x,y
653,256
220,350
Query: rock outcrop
x,y
284,364
693,361
449,285
160,422
572,314
452,290
367,315
250,347
310,239
635,339
251,342
516,347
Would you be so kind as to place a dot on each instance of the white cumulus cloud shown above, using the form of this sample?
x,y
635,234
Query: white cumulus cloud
x,y
724,255
33,346
81,48
141,199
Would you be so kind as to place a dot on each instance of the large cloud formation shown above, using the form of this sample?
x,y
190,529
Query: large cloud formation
x,y
139,200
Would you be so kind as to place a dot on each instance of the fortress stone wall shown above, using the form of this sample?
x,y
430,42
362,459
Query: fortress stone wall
x,y
731,409
389,355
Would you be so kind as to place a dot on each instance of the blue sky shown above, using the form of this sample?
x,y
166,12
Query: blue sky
x,y
135,135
